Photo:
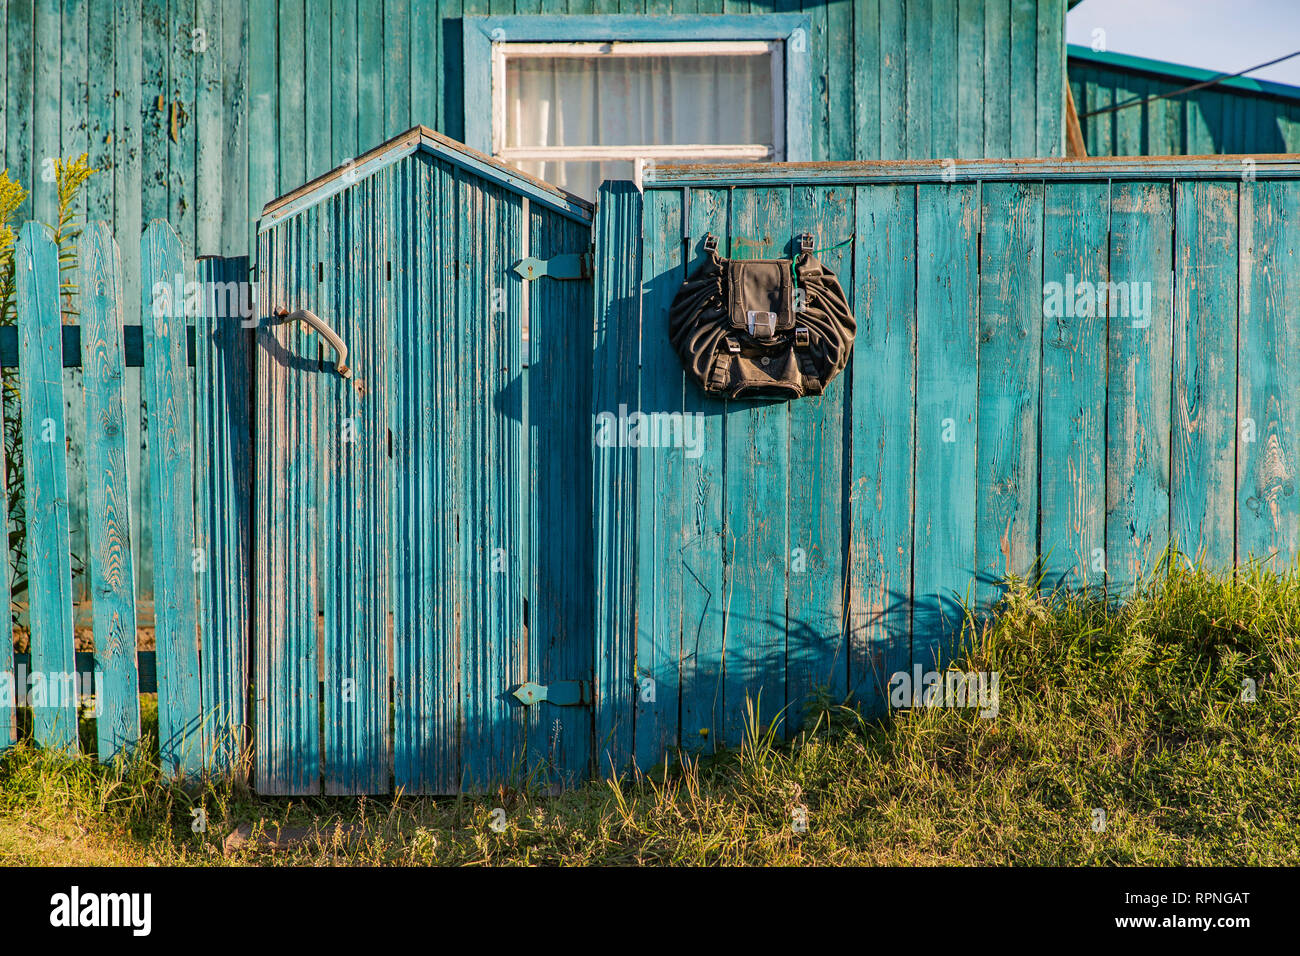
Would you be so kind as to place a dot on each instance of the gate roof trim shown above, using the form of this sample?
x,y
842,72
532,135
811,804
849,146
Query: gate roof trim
x,y
1096,168
416,139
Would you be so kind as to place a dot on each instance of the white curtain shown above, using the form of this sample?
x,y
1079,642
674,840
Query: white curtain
x,y
632,101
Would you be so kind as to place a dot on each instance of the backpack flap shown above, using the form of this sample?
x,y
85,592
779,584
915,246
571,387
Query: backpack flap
x,y
760,297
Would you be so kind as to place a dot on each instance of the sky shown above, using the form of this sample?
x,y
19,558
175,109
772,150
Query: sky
x,y
1218,35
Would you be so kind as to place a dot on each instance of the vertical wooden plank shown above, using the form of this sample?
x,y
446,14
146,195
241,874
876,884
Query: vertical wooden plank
x,y
704,607
426,648
998,104
49,568
4,70
662,528
1130,122
223,502
894,82
236,229
757,495
816,629
286,653
1138,390
558,395
1072,522
128,199
1011,275
869,56
100,103
354,469
452,107
947,315
1101,128
8,711
881,490
1268,417
1049,107
47,63
427,66
108,495
491,642
919,106
969,74
155,96
171,469
370,78
263,108
318,94
614,470
72,142
838,51
397,67
291,115
343,80
181,118
1203,462
19,119
1024,77
209,123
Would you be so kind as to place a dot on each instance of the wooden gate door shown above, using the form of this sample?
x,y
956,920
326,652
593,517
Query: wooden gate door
x,y
423,536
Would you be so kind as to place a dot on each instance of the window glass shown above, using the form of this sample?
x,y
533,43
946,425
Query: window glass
x,y
621,104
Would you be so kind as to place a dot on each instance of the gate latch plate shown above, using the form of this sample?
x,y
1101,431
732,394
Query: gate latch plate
x,y
570,265
563,693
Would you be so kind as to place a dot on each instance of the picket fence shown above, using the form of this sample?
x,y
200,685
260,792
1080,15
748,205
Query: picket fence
x,y
196,385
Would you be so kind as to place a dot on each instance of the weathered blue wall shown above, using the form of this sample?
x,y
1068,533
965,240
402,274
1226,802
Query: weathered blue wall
x,y
205,128
1239,115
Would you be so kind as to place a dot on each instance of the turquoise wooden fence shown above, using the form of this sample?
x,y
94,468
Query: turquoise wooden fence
x,y
1062,368
199,540
979,431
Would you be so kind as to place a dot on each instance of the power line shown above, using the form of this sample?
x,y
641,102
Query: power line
x,y
1138,101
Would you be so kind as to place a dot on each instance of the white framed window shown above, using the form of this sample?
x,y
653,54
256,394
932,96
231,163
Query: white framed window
x,y
576,99
577,113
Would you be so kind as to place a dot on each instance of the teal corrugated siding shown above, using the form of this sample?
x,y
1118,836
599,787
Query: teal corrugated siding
x,y
1234,117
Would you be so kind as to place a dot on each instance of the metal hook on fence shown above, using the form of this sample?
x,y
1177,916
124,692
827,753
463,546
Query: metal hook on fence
x,y
323,327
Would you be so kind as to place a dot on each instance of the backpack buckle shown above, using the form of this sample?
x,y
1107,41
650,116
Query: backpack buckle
x,y
762,325
806,242
710,243
801,338
733,345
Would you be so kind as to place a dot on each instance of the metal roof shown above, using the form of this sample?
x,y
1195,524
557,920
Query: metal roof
x,y
1176,72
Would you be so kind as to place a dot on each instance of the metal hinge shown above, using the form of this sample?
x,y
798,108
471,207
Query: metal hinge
x,y
570,265
562,693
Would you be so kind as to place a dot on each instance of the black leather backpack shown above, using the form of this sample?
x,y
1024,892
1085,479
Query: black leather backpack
x,y
762,328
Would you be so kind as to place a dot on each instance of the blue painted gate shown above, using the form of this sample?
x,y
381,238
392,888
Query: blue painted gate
x,y
417,555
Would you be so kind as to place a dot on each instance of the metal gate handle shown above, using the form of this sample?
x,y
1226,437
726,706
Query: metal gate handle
x,y
323,327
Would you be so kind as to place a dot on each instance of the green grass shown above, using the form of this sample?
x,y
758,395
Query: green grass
x,y
1136,710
